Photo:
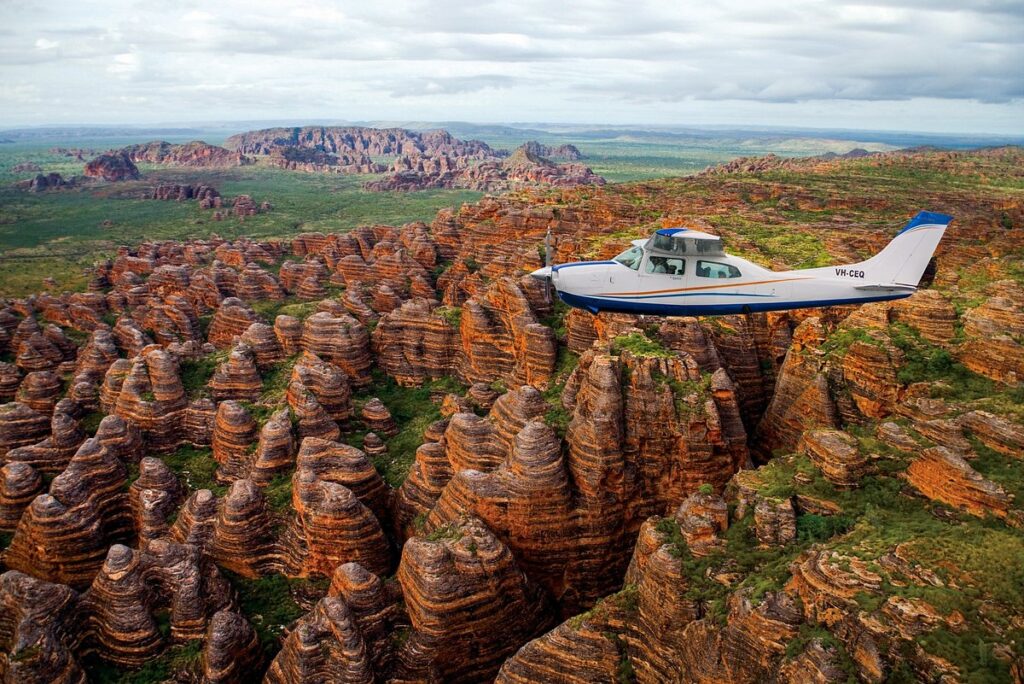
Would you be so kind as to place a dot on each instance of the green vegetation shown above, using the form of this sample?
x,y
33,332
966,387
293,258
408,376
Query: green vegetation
x,y
449,531
279,493
690,395
195,469
276,380
557,416
180,662
413,411
782,243
269,604
556,321
90,422
840,341
451,314
195,373
639,345
269,309
925,362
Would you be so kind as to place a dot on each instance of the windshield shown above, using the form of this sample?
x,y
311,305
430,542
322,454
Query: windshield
x,y
631,258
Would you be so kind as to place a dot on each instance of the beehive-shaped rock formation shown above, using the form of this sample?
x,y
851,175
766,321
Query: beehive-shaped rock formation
x,y
153,398
275,452
231,320
341,340
416,342
231,649
328,383
63,536
154,497
243,538
233,436
53,453
237,378
39,633
502,339
262,340
20,483
40,390
464,588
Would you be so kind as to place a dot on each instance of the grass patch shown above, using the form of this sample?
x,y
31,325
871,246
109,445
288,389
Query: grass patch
x,y
449,531
196,373
90,422
180,662
925,362
279,493
413,412
451,314
557,417
840,341
270,606
639,344
277,379
195,468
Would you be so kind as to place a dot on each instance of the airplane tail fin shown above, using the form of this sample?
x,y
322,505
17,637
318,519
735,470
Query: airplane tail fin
x,y
903,261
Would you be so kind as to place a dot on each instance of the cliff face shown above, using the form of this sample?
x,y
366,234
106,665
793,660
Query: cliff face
x,y
211,468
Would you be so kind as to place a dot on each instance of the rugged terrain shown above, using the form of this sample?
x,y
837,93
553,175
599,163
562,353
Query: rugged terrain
x,y
411,160
382,455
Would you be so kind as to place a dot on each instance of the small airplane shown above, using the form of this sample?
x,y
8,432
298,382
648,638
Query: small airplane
x,y
685,272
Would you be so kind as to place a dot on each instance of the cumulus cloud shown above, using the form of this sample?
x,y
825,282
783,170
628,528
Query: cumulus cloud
x,y
637,61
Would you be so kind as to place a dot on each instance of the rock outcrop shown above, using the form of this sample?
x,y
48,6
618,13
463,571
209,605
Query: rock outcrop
x,y
115,166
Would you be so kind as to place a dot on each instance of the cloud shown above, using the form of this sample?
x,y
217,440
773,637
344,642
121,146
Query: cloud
x,y
448,85
634,60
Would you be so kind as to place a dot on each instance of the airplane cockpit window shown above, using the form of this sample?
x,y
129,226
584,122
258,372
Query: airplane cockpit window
x,y
713,269
665,243
631,258
709,246
667,265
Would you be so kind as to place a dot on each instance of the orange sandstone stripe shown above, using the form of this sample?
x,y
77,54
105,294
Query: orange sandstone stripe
x,y
699,287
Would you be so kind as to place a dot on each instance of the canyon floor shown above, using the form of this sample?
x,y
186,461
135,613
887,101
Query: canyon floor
x,y
381,455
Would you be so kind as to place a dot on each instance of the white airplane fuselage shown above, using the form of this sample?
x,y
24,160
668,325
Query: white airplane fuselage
x,y
673,274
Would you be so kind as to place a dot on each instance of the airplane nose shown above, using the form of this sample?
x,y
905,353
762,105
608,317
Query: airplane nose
x,y
542,273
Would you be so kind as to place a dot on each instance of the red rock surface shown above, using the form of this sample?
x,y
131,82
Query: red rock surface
x,y
193,154
112,167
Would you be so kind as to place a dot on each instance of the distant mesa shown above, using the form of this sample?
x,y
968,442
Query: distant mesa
x,y
79,153
196,154
563,152
524,167
112,166
414,160
44,182
429,159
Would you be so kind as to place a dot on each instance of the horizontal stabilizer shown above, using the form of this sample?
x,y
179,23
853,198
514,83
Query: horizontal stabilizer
x,y
885,287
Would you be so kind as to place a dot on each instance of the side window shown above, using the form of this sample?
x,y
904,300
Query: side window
x,y
668,265
713,269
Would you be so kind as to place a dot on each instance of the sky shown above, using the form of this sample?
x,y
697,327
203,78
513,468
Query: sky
x,y
911,65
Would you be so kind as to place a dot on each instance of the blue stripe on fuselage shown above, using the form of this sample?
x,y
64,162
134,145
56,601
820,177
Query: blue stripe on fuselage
x,y
559,267
687,294
595,304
